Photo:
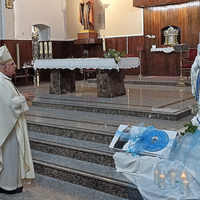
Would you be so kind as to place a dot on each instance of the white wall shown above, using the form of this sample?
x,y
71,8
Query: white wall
x,y
8,22
48,12
113,18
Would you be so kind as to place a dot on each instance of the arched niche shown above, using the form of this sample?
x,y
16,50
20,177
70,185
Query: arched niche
x,y
170,35
42,30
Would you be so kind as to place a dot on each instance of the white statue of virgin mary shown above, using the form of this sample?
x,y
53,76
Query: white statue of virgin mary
x,y
195,83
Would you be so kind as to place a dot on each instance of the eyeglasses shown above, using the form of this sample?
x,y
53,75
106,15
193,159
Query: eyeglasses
x,y
13,63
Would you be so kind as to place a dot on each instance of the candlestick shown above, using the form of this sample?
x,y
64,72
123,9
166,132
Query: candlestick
x,y
185,188
183,176
45,48
104,43
162,181
156,177
173,179
18,56
38,79
41,48
50,47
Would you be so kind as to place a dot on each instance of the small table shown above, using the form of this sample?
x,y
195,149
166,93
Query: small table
x,y
110,81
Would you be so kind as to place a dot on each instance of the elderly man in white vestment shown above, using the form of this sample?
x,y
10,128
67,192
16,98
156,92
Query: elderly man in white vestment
x,y
16,165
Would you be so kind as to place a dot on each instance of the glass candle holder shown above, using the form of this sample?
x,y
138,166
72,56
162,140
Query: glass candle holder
x,y
183,176
162,181
156,176
172,178
186,190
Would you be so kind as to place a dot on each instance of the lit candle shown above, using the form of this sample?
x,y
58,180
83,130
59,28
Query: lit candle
x,y
104,43
45,48
185,188
50,47
162,181
156,177
173,179
41,48
183,176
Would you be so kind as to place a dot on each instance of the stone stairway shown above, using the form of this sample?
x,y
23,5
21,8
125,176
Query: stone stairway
x,y
70,138
76,150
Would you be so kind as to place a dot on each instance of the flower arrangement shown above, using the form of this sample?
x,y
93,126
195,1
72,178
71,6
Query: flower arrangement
x,y
112,53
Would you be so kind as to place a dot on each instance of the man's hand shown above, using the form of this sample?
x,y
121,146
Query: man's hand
x,y
29,96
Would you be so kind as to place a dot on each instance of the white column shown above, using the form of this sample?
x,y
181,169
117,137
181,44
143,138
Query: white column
x,y
2,20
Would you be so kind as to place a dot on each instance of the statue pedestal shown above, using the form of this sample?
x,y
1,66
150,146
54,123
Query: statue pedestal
x,y
86,34
62,81
110,83
88,37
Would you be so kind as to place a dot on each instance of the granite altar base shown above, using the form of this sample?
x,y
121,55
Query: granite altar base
x,y
62,81
110,83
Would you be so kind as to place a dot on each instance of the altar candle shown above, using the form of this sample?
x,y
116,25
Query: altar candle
x,y
45,48
162,181
173,179
156,177
186,188
183,176
104,43
50,47
41,48
38,79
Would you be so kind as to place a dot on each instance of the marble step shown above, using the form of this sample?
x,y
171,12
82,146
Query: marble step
x,y
70,132
47,188
91,175
95,127
145,82
72,148
110,107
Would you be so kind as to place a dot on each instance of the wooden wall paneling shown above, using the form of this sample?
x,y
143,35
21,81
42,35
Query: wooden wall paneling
x,y
187,19
147,3
25,48
133,42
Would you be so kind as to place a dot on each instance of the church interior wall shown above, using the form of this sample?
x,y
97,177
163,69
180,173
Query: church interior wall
x,y
187,18
50,13
9,21
114,18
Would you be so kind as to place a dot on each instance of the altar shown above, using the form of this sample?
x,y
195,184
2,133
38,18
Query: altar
x,y
110,81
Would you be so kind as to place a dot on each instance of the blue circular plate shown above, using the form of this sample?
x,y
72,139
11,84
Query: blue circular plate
x,y
155,140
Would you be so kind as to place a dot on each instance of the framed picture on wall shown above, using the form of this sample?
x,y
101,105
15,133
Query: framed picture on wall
x,y
9,4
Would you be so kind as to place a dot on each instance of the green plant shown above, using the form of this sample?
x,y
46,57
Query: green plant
x,y
154,43
112,53
190,128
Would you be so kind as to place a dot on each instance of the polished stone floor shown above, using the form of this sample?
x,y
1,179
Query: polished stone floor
x,y
166,98
151,97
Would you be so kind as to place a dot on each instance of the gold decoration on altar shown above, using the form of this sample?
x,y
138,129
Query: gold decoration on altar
x,y
171,35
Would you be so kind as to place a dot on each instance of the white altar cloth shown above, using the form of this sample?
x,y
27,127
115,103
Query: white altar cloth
x,y
165,50
87,63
